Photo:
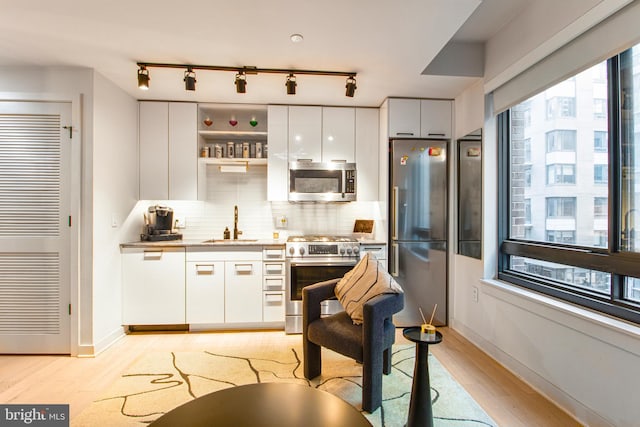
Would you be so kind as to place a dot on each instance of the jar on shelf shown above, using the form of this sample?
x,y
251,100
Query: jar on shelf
x,y
205,151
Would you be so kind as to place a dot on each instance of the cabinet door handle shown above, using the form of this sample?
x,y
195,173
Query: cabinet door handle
x,y
404,133
244,268
204,268
396,260
339,161
152,255
436,134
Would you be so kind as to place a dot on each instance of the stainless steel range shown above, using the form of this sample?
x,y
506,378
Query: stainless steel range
x,y
313,259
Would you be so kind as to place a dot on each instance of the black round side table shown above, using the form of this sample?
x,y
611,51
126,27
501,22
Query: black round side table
x,y
420,412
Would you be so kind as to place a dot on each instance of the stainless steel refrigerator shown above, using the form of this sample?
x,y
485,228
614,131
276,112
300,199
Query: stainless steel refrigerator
x,y
418,227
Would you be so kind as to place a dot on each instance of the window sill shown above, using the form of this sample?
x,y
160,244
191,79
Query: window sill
x,y
612,331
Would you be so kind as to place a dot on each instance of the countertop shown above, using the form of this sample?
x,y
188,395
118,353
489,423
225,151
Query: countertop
x,y
200,243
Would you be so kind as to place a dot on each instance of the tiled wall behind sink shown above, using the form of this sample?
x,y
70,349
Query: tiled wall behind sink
x,y
257,218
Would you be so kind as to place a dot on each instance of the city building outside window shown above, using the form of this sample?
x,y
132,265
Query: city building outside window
x,y
578,239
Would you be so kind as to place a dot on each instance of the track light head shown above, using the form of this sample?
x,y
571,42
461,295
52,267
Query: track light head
x,y
351,86
189,79
241,82
291,84
143,78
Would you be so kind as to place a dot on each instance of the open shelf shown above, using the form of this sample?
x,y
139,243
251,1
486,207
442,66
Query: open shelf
x,y
220,135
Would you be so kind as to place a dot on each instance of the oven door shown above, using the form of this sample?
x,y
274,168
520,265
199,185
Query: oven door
x,y
307,272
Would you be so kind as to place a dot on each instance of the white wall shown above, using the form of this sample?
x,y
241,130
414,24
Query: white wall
x,y
588,363
115,185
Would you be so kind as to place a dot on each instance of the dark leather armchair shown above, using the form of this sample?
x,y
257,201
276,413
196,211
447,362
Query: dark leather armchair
x,y
369,343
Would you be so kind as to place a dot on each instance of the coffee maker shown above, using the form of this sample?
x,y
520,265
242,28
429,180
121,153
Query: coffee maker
x,y
158,225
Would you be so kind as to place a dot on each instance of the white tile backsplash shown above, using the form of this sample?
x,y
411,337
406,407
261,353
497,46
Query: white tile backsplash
x,y
256,216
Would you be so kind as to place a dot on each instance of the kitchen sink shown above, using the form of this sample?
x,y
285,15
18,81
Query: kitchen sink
x,y
230,240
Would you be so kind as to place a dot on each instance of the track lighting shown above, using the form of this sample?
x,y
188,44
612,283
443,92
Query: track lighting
x,y
241,75
189,79
143,78
351,86
241,82
291,84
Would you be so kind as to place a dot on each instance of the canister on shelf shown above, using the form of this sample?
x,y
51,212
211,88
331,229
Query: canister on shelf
x,y
245,150
204,151
258,150
238,151
217,150
230,150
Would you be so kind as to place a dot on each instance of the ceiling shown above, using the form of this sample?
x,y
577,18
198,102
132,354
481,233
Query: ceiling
x,y
387,43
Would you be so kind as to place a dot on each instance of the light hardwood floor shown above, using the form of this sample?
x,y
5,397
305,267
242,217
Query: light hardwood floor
x,y
79,381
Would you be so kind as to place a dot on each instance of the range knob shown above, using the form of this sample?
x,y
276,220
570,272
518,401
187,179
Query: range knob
x,y
292,250
356,250
301,250
348,251
342,251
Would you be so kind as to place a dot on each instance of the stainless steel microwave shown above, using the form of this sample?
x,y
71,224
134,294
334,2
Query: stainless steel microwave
x,y
322,182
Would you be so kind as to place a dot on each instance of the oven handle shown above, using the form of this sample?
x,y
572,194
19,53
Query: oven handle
x,y
322,263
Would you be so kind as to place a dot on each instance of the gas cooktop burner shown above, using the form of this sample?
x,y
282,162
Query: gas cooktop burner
x,y
312,238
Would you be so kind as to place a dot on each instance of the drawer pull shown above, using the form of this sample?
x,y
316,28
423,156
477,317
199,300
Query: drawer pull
x,y
274,268
273,253
274,283
152,255
204,268
244,268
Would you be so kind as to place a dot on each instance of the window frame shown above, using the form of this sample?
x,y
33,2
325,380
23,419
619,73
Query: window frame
x,y
608,260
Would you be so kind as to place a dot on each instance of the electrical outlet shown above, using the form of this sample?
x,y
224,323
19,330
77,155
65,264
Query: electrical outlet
x,y
180,222
282,222
474,293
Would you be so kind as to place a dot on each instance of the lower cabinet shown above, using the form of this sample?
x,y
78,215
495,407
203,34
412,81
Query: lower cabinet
x,y
243,290
224,286
198,285
205,292
153,286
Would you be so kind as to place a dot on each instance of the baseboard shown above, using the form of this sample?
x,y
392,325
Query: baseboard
x,y
105,343
581,413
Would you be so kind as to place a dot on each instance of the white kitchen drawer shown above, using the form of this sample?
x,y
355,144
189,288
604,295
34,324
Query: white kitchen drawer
x,y
274,268
272,253
275,283
273,309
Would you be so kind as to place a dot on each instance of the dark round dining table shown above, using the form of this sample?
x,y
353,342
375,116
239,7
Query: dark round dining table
x,y
265,405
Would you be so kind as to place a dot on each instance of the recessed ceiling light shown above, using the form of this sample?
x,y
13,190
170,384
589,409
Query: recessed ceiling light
x,y
296,38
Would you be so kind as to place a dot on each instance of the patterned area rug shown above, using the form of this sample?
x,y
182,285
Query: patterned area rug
x,y
159,382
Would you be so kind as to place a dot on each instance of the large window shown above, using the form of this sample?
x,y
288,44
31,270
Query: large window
x,y
580,241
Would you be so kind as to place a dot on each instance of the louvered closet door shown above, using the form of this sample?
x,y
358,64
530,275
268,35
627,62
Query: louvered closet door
x,y
34,227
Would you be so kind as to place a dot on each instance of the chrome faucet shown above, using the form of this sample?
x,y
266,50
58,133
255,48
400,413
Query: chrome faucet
x,y
235,223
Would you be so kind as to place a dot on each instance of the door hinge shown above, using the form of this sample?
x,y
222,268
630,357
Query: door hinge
x,y
70,129
69,309
69,220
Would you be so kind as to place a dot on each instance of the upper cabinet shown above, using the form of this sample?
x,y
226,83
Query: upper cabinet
x,y
321,134
277,162
305,133
168,150
420,118
367,158
338,134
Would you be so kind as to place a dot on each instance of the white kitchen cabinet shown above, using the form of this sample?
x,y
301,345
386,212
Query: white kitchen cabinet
x,y
183,151
420,118
367,153
204,289
153,125
153,286
436,118
243,288
305,133
277,161
338,134
168,150
404,118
